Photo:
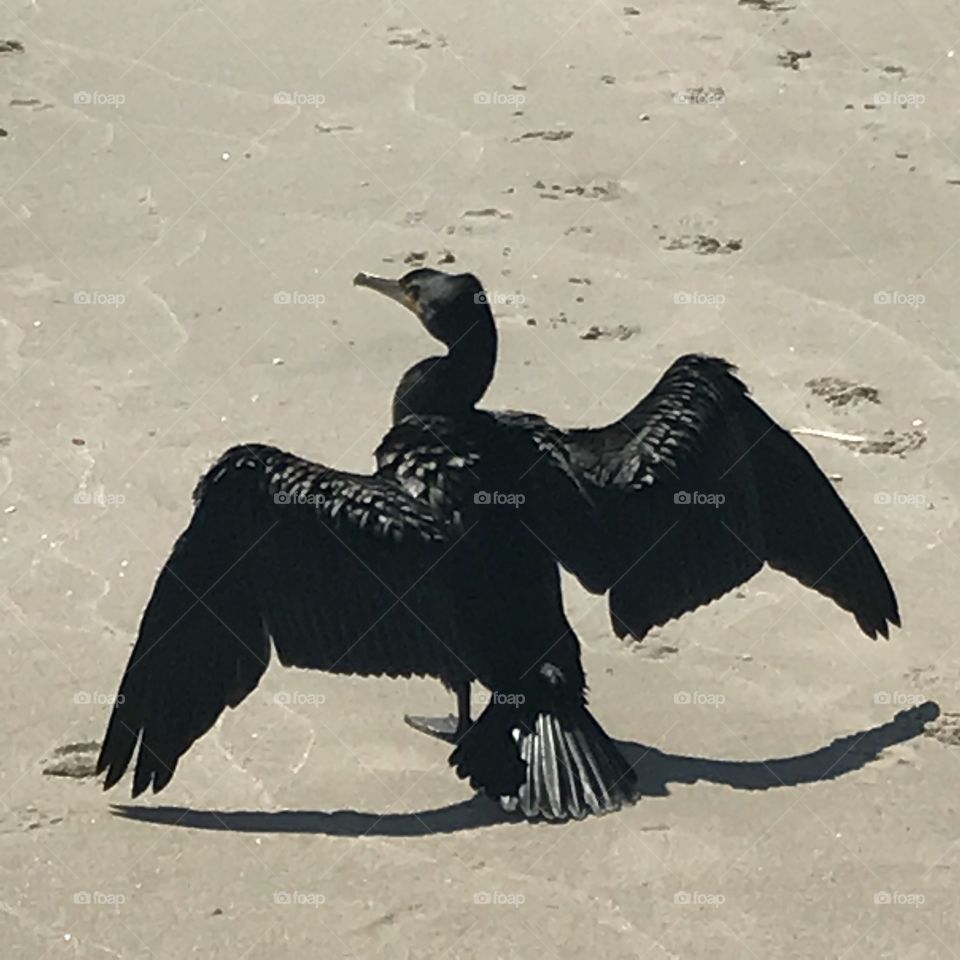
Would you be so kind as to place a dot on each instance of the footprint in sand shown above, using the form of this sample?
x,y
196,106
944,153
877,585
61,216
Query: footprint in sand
x,y
619,332
608,190
946,729
419,39
75,760
701,243
840,393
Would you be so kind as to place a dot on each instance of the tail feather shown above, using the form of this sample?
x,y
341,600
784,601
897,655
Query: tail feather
x,y
554,765
570,780
548,736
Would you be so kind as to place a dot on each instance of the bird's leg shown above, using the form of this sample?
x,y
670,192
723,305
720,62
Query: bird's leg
x,y
450,728
463,709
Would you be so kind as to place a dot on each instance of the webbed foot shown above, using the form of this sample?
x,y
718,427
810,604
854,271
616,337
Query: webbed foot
x,y
443,728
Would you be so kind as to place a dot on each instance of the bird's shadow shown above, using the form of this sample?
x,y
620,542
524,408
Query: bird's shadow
x,y
656,772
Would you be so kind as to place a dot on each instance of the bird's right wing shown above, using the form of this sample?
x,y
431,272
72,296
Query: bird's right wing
x,y
699,488
344,573
558,509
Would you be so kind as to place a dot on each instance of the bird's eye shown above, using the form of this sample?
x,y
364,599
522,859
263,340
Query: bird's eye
x,y
413,291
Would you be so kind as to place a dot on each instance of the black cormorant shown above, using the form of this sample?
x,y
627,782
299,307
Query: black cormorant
x,y
444,561
695,488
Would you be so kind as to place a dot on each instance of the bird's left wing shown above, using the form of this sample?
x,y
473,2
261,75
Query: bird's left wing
x,y
344,573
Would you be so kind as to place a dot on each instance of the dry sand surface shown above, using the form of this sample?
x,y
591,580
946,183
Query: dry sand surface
x,y
188,189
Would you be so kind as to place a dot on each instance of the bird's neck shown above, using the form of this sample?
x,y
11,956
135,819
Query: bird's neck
x,y
452,384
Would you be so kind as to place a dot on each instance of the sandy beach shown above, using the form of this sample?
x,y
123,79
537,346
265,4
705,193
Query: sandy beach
x,y
187,191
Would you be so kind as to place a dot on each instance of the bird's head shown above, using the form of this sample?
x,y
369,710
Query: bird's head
x,y
449,305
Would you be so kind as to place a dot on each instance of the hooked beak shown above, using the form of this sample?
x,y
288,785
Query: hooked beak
x,y
389,288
